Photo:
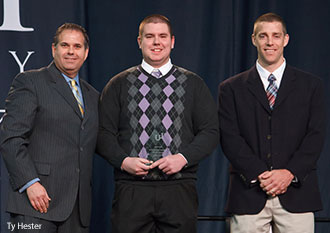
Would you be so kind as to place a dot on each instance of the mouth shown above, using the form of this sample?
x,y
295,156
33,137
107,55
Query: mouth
x,y
70,59
270,51
156,50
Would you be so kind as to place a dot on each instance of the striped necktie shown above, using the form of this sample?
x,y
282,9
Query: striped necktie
x,y
77,95
156,73
271,91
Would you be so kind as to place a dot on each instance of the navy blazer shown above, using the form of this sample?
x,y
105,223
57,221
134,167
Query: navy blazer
x,y
44,135
255,139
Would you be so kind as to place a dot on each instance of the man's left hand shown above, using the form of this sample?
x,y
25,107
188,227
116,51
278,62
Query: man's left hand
x,y
170,164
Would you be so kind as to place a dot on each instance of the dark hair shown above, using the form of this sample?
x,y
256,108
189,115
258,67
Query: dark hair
x,y
71,26
155,18
270,17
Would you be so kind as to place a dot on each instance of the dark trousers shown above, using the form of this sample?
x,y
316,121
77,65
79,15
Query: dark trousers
x,y
155,207
25,224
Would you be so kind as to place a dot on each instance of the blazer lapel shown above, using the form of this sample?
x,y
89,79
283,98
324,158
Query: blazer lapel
x,y
87,100
286,87
63,88
257,89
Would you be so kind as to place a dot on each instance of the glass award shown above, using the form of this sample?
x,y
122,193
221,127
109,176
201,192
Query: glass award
x,y
155,147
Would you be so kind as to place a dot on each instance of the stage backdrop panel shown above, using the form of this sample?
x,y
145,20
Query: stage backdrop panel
x,y
212,39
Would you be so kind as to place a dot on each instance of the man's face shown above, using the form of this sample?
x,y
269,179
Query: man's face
x,y
270,40
70,52
156,44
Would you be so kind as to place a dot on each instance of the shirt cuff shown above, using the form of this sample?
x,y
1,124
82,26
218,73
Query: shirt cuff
x,y
184,159
28,184
295,180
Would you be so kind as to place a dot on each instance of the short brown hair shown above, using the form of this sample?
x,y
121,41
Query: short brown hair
x,y
270,17
155,18
71,26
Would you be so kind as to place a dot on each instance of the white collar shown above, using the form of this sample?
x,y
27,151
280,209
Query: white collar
x,y
264,74
163,69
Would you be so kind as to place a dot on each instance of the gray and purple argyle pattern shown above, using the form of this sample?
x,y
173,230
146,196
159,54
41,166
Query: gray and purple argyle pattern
x,y
156,105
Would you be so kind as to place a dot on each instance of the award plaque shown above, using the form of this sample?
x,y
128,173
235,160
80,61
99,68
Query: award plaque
x,y
155,147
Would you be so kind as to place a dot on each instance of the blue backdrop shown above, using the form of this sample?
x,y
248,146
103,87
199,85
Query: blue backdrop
x,y
212,39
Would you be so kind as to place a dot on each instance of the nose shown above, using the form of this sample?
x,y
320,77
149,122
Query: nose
x,y
70,50
270,41
156,40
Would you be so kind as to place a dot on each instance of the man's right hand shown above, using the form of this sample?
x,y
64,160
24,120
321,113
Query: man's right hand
x,y
275,182
136,166
38,197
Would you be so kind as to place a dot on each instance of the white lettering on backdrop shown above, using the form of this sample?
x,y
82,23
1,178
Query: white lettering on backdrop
x,y
11,17
20,64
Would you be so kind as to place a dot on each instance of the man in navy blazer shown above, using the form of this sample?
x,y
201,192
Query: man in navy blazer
x,y
48,138
272,123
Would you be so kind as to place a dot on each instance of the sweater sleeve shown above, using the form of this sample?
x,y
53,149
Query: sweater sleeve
x,y
109,116
204,123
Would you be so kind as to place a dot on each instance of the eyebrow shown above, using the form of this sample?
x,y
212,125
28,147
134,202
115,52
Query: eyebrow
x,y
273,33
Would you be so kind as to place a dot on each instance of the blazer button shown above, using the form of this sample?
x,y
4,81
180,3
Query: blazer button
x,y
77,170
269,118
81,149
82,127
269,137
269,155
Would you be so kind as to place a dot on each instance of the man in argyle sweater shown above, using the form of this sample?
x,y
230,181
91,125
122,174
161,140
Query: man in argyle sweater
x,y
157,121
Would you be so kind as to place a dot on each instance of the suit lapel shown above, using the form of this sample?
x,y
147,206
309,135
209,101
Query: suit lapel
x,y
256,88
286,87
63,88
87,100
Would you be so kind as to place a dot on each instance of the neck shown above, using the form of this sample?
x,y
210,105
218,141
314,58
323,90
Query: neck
x,y
271,67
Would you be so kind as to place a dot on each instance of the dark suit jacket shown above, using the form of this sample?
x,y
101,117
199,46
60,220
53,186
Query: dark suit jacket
x,y
256,139
44,135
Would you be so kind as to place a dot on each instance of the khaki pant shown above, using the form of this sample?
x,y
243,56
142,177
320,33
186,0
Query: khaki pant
x,y
273,218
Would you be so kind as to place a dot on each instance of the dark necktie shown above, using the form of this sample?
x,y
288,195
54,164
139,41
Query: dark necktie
x,y
271,91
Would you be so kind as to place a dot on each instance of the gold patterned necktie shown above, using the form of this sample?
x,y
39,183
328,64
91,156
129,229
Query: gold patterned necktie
x,y
77,96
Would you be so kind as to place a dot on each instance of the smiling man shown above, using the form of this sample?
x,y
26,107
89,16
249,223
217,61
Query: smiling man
x,y
157,121
272,127
48,138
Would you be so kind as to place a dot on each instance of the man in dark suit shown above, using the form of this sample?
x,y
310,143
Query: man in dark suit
x,y
48,138
272,123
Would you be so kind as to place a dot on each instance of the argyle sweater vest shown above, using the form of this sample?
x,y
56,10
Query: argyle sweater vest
x,y
155,109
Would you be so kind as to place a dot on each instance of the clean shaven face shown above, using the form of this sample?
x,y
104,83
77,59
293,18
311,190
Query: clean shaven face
x,y
156,44
270,40
70,52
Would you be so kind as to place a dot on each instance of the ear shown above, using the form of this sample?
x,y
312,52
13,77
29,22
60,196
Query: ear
x,y
253,39
172,42
286,39
53,49
86,53
139,41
